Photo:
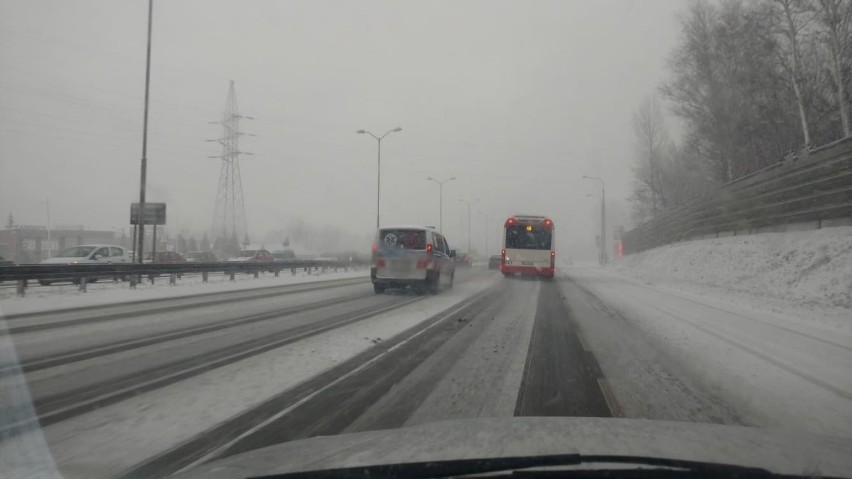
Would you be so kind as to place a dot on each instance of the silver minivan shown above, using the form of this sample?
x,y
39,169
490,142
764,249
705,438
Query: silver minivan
x,y
411,256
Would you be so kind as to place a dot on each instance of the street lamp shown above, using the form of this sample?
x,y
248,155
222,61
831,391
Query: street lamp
x,y
603,258
46,204
485,215
379,168
144,166
441,213
468,203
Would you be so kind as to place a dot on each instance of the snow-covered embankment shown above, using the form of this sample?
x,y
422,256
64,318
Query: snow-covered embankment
x,y
805,267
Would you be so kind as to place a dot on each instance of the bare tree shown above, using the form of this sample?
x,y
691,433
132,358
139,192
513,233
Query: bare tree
x,y
835,19
651,136
795,16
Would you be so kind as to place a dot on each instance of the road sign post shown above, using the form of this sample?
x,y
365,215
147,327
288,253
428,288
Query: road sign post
x,y
153,214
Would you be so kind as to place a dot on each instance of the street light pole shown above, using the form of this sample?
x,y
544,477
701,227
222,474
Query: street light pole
x,y
379,169
144,168
486,233
49,242
441,201
603,217
468,221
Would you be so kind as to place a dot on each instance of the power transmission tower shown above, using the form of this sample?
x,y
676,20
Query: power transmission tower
x,y
229,216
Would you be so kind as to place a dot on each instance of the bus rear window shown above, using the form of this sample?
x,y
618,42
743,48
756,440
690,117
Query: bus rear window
x,y
521,236
402,238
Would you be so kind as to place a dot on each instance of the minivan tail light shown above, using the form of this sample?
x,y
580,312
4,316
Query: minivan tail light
x,y
424,262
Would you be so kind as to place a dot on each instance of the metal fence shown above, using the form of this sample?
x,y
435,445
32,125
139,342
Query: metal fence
x,y
813,189
133,273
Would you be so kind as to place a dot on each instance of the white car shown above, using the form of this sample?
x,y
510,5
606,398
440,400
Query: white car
x,y
87,254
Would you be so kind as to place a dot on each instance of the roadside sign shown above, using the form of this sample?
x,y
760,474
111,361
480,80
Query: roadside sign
x,y
155,214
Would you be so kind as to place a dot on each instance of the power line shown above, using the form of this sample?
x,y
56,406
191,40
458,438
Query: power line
x,y
130,144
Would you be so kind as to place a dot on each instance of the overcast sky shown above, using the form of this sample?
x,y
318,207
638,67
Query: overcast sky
x,y
517,100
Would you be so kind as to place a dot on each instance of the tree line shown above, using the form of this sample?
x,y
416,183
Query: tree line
x,y
752,82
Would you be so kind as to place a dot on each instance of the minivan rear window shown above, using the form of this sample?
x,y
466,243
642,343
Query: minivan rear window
x,y
402,238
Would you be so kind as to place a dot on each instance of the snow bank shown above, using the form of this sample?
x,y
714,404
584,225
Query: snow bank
x,y
805,267
40,298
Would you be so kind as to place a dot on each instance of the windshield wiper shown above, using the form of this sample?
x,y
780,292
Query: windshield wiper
x,y
514,466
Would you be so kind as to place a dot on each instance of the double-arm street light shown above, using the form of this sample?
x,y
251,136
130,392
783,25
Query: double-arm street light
x,y
603,258
487,232
379,169
441,212
46,204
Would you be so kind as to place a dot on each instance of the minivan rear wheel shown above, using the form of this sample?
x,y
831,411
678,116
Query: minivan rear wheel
x,y
434,286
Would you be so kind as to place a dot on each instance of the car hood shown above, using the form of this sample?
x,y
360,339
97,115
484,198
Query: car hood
x,y
776,450
81,259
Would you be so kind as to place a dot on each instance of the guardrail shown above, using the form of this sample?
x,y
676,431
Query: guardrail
x,y
82,274
816,188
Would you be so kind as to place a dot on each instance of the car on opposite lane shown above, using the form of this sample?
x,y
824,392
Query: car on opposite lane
x,y
259,255
283,255
87,254
165,257
201,257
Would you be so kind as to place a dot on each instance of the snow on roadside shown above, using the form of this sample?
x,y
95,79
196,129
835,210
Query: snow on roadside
x,y
807,268
133,430
68,296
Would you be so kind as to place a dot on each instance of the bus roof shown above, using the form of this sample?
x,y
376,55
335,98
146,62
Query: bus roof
x,y
529,217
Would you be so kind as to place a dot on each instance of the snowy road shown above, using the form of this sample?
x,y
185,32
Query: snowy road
x,y
158,386
756,366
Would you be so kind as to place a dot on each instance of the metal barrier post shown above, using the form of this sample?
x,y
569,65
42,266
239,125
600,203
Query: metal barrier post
x,y
83,281
232,276
256,273
293,271
133,280
172,279
204,277
276,272
22,288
